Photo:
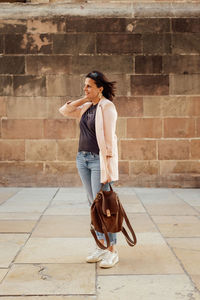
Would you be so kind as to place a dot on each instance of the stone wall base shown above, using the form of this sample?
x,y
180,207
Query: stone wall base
x,y
69,180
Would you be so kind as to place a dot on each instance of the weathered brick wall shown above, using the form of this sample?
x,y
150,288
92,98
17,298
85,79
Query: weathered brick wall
x,y
156,63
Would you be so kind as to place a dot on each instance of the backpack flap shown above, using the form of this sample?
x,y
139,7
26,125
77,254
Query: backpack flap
x,y
110,205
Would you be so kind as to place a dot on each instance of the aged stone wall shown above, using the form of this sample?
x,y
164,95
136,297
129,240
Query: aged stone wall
x,y
156,63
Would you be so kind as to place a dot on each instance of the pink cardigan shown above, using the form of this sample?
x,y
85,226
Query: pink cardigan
x,y
105,124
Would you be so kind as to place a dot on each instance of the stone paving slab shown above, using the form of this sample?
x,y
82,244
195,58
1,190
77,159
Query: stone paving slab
x,y
162,202
88,297
63,226
10,244
188,251
6,193
143,287
63,208
49,279
55,250
19,226
47,262
151,256
3,273
19,216
24,205
178,226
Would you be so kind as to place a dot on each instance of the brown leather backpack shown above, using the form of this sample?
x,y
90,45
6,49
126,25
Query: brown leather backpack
x,y
107,215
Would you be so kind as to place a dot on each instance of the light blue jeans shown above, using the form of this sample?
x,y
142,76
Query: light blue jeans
x,y
88,165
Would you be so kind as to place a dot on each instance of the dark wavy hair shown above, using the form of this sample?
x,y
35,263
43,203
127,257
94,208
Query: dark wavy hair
x,y
101,81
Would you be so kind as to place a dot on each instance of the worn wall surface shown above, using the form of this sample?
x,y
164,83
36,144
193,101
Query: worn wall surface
x,y
156,63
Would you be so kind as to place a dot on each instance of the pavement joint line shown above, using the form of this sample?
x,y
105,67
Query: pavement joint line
x,y
193,207
142,274
170,247
45,295
30,233
96,279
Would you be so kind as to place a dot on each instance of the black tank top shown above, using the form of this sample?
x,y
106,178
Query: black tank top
x,y
88,140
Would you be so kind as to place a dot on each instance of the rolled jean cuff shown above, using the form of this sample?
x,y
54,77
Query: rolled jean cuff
x,y
112,237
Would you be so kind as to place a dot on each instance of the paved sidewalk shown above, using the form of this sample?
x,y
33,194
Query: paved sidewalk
x,y
44,239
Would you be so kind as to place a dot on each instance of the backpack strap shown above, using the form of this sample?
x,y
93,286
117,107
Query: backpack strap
x,y
131,242
97,240
104,231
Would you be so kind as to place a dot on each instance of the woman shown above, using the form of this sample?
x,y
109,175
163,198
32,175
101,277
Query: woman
x,y
97,158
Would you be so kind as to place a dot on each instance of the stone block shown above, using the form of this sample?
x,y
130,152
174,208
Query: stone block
x,y
6,88
186,43
181,64
67,150
173,150
81,24
129,106
122,83
195,106
149,85
21,174
12,65
179,167
184,84
29,85
144,128
40,150
177,106
114,64
63,85
121,127
152,106
61,168
157,44
195,149
54,103
27,107
186,25
148,64
1,43
60,129
52,64
170,106
2,106
46,25
28,43
179,128
74,44
138,150
198,127
147,25
144,168
13,26
119,43
12,150
123,167
22,129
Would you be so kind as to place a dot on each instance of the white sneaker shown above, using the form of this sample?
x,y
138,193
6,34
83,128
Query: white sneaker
x,y
97,255
109,260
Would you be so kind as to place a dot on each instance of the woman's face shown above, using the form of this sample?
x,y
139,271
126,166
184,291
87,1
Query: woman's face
x,y
91,90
